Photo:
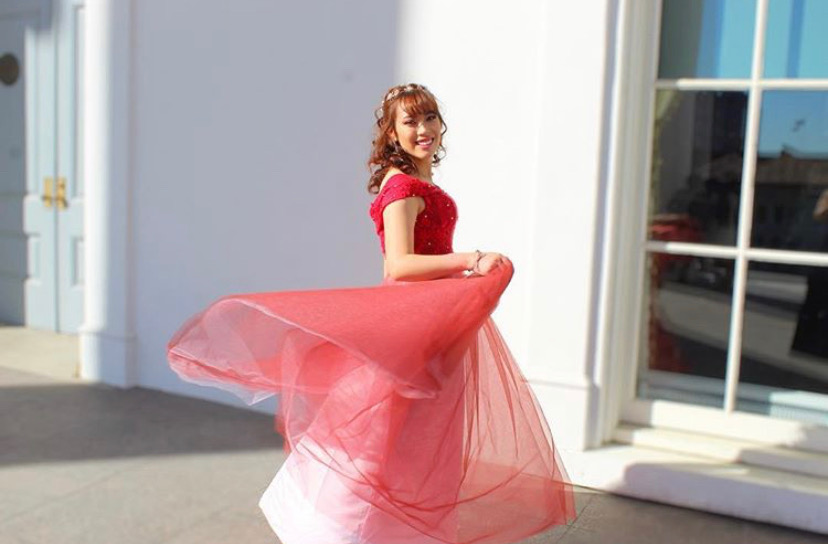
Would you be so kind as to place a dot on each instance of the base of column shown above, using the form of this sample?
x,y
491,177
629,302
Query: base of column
x,y
108,358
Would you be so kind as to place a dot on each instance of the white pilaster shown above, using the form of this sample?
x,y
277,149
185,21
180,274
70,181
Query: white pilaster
x,y
107,338
569,203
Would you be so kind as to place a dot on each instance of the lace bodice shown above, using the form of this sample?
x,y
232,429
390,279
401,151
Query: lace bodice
x,y
434,228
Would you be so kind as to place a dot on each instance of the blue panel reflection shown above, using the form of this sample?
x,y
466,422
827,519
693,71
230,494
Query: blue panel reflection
x,y
797,43
794,120
706,38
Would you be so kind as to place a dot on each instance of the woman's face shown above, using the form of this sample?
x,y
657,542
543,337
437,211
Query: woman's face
x,y
419,135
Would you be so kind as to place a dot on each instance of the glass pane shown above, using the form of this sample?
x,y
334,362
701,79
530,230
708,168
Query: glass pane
x,y
687,312
796,42
784,370
698,143
706,38
791,192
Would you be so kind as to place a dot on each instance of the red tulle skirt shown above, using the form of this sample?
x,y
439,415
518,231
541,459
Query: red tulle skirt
x,y
405,416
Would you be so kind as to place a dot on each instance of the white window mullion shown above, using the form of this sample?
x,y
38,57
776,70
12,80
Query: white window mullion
x,y
794,84
784,256
734,354
689,248
687,84
703,84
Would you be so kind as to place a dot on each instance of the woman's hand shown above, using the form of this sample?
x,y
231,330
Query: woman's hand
x,y
489,262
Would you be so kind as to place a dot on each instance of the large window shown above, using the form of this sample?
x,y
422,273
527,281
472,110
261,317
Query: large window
x,y
735,297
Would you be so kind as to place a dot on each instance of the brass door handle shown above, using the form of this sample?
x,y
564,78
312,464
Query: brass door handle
x,y
62,203
47,197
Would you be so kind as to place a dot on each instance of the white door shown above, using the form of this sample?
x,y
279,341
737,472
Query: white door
x,y
28,221
40,200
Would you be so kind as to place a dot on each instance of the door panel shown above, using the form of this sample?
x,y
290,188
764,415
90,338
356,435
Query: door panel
x,y
70,241
12,175
39,215
27,256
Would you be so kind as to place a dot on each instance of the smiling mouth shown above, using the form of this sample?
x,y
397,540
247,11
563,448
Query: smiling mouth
x,y
426,142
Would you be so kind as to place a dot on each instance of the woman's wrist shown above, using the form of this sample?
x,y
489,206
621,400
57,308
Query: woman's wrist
x,y
473,264
467,261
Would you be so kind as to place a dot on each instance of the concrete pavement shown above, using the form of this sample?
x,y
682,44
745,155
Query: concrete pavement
x,y
87,463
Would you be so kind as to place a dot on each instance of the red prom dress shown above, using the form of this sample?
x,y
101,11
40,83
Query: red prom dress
x,y
406,419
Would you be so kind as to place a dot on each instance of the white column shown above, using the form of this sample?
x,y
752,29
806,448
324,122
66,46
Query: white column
x,y
567,199
106,337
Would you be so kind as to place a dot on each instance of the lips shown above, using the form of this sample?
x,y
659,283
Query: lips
x,y
425,142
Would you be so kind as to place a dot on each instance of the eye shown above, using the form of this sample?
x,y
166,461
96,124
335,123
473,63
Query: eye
x,y
431,116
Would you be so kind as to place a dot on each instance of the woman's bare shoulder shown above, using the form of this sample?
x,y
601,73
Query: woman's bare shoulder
x,y
392,171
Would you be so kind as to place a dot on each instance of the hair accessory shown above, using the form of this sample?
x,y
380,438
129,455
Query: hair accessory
x,y
400,89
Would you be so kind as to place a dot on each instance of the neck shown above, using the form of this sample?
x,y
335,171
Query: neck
x,y
424,171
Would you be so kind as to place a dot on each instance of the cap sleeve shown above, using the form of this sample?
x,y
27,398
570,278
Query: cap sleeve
x,y
398,187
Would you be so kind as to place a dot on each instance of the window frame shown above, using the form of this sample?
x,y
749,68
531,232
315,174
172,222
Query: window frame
x,y
623,321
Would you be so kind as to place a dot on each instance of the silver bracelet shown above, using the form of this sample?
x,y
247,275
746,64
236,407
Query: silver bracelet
x,y
476,268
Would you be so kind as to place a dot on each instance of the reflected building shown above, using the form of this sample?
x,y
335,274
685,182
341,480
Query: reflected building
x,y
788,186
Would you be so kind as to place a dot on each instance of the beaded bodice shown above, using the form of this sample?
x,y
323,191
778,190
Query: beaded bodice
x,y
434,227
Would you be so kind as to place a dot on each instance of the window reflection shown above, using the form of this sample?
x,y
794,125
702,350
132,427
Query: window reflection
x,y
687,305
784,367
698,149
791,190
796,41
706,38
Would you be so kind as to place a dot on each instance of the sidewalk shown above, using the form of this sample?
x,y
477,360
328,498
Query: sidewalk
x,y
89,464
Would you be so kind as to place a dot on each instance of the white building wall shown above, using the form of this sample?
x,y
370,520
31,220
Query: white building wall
x,y
249,126
571,217
524,87
481,60
250,138
252,122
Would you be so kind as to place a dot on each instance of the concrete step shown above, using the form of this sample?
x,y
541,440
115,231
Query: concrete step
x,y
792,499
725,449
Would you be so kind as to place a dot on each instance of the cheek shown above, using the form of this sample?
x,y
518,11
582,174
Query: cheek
x,y
406,133
399,129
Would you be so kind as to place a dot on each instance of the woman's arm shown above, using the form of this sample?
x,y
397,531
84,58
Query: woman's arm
x,y
400,260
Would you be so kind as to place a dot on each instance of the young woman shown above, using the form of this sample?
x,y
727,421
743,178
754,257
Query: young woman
x,y
409,141
406,419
